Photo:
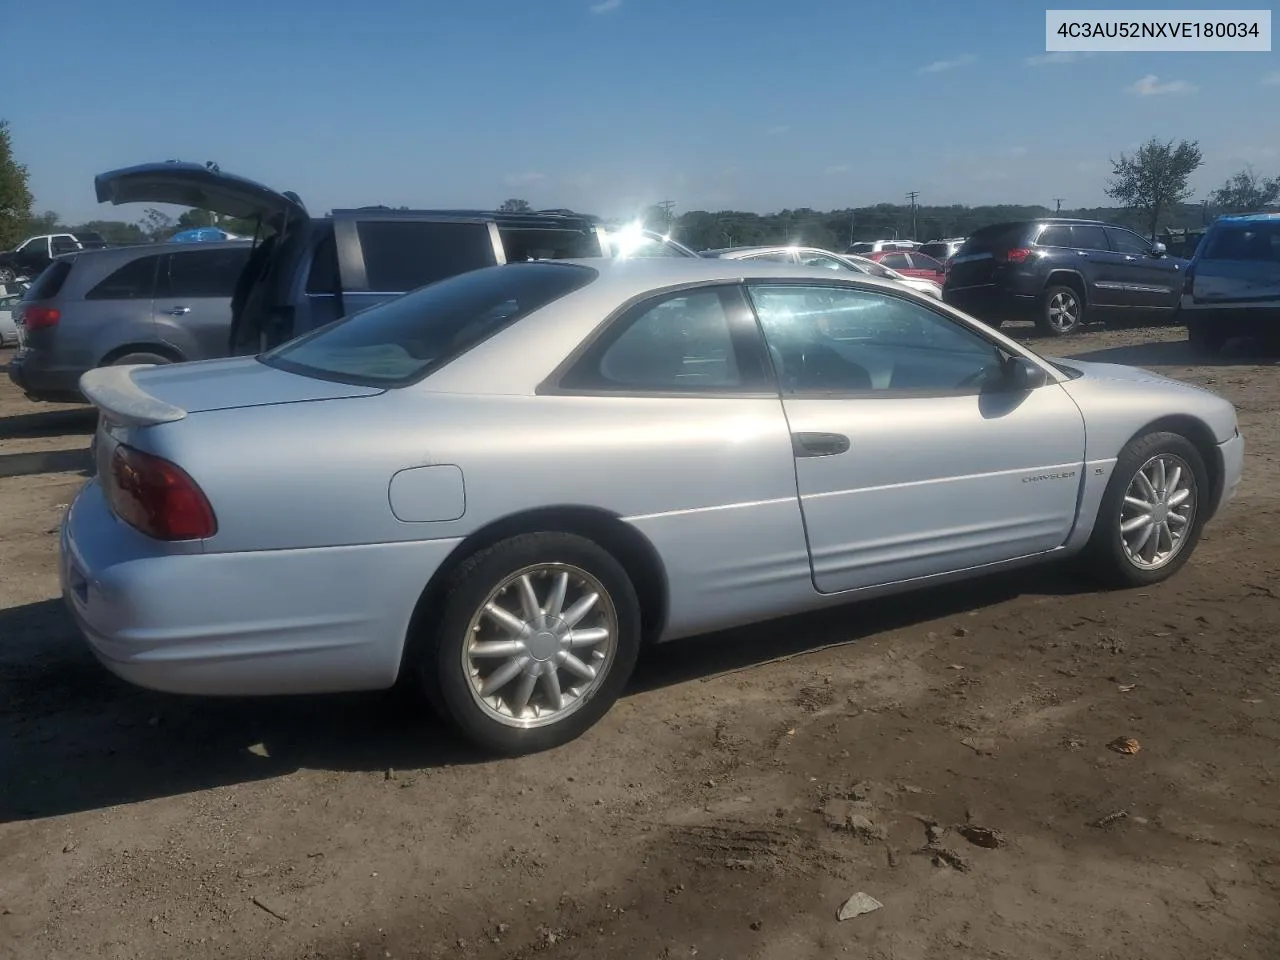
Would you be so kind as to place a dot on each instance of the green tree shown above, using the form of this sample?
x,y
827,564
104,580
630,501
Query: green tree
x,y
1246,192
193,218
47,222
515,205
1154,179
15,195
112,231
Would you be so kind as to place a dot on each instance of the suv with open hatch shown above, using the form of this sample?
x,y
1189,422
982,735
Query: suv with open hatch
x,y
310,271
1231,287
153,303
1060,272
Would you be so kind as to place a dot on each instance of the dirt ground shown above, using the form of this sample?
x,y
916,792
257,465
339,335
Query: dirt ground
x,y
747,785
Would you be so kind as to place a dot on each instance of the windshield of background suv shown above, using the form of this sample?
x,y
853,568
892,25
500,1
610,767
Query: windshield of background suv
x,y
402,340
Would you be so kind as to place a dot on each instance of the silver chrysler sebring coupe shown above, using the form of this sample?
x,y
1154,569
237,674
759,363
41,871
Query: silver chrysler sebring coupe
x,y
502,485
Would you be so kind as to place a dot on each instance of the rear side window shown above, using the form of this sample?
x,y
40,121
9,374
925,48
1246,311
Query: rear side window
x,y
1259,242
403,340
136,280
205,273
1055,236
402,255
50,281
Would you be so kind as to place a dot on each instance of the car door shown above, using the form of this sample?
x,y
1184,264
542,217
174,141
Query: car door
x,y
1151,282
192,308
912,457
32,256
1103,271
382,255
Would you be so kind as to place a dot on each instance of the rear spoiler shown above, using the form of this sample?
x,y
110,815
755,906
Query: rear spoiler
x,y
113,391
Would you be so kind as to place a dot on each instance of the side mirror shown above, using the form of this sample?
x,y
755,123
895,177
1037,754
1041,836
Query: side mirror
x,y
1158,249
1022,375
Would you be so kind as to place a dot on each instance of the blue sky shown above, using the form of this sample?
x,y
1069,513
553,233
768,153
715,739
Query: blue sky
x,y
608,105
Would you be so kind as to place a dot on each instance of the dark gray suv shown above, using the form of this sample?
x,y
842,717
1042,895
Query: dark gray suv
x,y
157,303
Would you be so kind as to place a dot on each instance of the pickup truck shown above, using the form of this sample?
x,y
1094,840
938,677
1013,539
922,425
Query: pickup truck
x,y
33,254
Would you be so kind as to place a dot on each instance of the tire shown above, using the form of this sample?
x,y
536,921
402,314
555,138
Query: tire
x,y
1205,341
1061,311
1110,560
7,275
453,680
129,358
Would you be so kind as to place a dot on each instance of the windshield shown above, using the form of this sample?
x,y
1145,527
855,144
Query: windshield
x,y
402,340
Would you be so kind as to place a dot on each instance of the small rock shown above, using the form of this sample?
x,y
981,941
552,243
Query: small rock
x,y
864,828
756,924
961,631
982,746
1140,821
389,774
934,832
259,750
942,857
69,847
1125,745
1109,819
956,666
857,905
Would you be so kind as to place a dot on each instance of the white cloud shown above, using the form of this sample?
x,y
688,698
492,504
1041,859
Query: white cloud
x,y
778,131
836,168
605,6
524,179
1150,86
1057,56
938,66
1271,79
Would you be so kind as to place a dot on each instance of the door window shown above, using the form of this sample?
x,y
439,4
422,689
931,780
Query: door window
x,y
1125,241
922,262
37,246
838,339
63,245
1055,235
1088,237
896,261
815,259
196,274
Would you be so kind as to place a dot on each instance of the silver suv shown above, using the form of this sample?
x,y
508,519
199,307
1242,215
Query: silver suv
x,y
158,303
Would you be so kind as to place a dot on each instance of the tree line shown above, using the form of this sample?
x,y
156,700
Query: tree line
x,y
1150,187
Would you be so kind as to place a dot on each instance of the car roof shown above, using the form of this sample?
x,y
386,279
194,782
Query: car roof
x,y
624,279
1248,217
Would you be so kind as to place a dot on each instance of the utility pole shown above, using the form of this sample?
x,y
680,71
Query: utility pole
x,y
1058,201
912,197
666,206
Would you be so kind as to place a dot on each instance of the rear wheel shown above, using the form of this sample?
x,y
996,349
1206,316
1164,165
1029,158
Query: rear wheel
x,y
1152,512
1061,311
537,638
7,275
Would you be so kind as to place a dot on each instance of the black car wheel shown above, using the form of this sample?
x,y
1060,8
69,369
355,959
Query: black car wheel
x,y
7,275
1061,311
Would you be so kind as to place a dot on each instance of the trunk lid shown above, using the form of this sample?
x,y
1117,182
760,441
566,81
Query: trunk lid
x,y
147,395
197,185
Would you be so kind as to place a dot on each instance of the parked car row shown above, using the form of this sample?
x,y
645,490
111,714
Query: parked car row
x,y
815,257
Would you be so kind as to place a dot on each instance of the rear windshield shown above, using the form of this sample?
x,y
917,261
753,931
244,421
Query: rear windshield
x,y
523,243
403,340
1258,241
1000,236
50,281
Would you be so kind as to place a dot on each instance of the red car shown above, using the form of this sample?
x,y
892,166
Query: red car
x,y
910,264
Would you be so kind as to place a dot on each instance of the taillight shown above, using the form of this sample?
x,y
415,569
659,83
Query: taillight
x,y
1016,255
33,317
158,497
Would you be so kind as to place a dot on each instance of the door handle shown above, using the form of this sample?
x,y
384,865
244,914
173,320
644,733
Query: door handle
x,y
818,444
1127,257
178,311
1082,253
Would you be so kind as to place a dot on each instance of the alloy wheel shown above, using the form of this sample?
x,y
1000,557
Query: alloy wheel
x,y
1158,511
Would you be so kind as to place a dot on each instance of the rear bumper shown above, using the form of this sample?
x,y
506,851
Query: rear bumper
x,y
41,382
1231,321
260,622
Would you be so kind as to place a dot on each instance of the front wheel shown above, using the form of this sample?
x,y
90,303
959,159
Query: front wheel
x,y
7,276
537,639
1061,311
1152,512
